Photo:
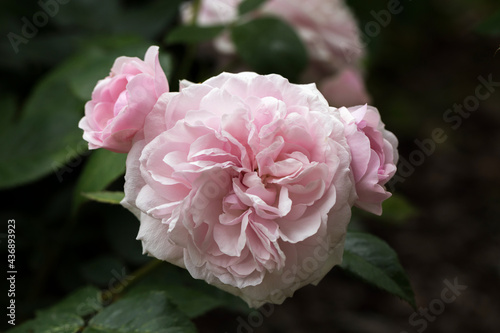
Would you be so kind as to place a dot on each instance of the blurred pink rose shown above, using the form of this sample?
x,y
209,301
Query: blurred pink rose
x,y
374,155
121,101
345,89
327,27
212,12
244,180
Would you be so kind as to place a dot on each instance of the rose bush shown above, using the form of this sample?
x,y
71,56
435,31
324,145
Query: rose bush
x,y
374,155
243,180
121,101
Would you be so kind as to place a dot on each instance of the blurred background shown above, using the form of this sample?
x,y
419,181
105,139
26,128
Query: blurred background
x,y
423,69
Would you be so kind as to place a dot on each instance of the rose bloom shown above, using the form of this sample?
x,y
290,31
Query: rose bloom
x,y
121,101
244,180
345,88
327,27
374,155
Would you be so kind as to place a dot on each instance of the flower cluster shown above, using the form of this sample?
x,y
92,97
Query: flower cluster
x,y
245,180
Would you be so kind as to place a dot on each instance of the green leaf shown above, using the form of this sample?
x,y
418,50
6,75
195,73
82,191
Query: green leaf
x,y
46,136
191,301
397,209
98,67
102,168
7,111
105,196
190,34
141,313
248,5
64,316
269,45
81,302
375,262
491,26
193,297
51,323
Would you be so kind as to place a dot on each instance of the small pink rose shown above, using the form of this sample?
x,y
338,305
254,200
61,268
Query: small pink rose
x,y
345,89
374,155
121,101
244,180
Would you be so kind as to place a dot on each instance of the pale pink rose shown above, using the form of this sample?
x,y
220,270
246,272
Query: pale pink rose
x,y
374,155
244,180
327,27
121,101
345,89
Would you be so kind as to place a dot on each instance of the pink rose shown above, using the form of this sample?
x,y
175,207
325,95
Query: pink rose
x,y
121,102
374,155
244,180
345,89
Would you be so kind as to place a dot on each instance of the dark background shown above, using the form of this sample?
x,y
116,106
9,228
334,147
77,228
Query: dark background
x,y
426,59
